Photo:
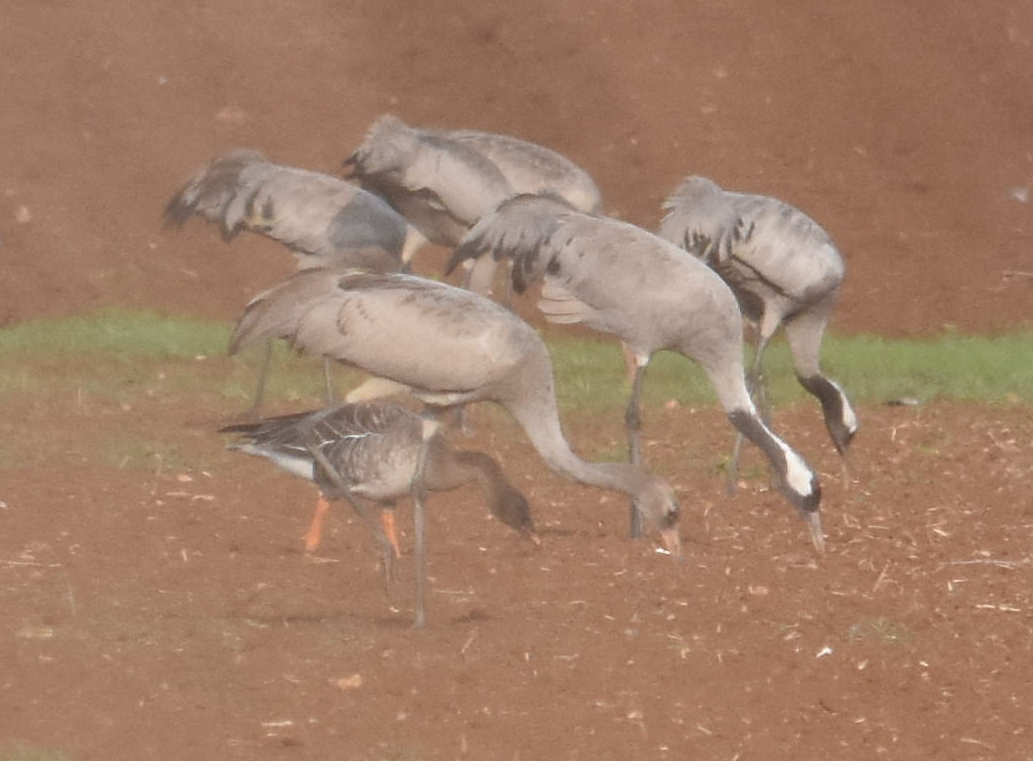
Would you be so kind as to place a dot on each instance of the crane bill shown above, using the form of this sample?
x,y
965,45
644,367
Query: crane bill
x,y
813,520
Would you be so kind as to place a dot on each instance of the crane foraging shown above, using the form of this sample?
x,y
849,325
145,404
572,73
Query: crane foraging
x,y
323,220
619,279
444,181
367,454
785,272
451,347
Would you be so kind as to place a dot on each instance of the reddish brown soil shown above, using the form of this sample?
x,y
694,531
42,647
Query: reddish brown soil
x,y
166,611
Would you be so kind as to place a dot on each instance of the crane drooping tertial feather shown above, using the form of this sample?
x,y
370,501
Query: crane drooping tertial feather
x,y
367,454
784,270
324,220
619,279
444,181
451,347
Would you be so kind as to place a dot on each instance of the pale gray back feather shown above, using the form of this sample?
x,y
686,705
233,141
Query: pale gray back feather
x,y
440,186
315,215
759,244
274,313
611,276
444,181
533,168
387,326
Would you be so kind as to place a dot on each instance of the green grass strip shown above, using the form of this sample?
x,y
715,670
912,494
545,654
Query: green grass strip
x,y
590,372
133,333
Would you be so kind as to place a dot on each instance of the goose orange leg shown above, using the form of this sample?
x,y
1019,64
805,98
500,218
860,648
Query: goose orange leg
x,y
387,522
314,535
315,530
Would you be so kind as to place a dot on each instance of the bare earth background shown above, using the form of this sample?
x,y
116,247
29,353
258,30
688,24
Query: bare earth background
x,y
168,613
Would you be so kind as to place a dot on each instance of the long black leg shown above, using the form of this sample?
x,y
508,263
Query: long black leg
x,y
419,494
328,381
253,411
633,425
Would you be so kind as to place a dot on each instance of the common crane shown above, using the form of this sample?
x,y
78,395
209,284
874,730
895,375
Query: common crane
x,y
620,279
785,271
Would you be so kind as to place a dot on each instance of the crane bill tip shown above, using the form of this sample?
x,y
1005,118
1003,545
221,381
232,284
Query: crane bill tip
x,y
813,520
671,541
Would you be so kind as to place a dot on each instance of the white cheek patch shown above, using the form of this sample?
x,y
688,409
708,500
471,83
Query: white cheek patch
x,y
849,416
799,477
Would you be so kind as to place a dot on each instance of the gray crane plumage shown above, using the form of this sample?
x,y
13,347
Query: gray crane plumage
x,y
367,454
451,347
619,279
785,271
324,220
444,181
532,168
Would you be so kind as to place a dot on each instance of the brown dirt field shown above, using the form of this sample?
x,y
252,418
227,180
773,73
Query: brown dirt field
x,y
160,608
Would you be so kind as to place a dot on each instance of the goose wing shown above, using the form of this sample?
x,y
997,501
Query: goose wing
x,y
373,447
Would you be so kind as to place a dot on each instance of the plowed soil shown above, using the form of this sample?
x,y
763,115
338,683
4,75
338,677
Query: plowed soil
x,y
162,608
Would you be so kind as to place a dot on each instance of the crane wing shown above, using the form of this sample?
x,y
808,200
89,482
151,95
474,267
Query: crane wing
x,y
309,212
520,230
702,219
559,305
408,165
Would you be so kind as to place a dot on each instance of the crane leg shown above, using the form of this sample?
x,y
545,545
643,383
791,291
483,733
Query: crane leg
x,y
633,425
629,361
419,494
252,412
384,532
733,463
328,384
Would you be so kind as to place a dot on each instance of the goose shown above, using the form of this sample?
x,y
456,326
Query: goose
x,y
619,279
443,181
785,271
451,347
323,220
367,454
